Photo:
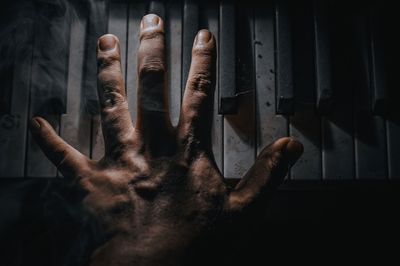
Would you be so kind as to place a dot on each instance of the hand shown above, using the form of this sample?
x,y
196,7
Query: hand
x,y
157,188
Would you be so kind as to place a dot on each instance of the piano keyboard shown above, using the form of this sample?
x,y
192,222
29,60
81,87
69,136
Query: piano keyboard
x,y
315,70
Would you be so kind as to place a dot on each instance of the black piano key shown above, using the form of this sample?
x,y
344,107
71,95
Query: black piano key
x,y
270,126
210,20
228,103
158,8
7,49
13,127
392,52
7,53
136,11
96,27
6,75
190,28
49,77
37,164
337,145
240,129
173,40
305,123
75,124
50,66
370,130
323,56
283,48
117,24
377,60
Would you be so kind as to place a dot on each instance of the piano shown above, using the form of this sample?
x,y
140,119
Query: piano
x,y
323,72
314,70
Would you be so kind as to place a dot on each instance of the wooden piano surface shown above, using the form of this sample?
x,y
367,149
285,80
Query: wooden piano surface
x,y
318,72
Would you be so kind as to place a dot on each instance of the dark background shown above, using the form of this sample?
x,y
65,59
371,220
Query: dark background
x,y
302,222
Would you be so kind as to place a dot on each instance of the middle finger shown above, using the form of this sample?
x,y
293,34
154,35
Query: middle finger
x,y
153,120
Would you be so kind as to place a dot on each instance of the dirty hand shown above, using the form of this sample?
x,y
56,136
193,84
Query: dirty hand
x,y
158,188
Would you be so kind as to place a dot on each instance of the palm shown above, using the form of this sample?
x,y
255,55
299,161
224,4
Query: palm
x,y
157,186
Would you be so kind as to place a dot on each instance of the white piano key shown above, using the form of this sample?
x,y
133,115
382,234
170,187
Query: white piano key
x,y
173,32
393,147
239,129
52,30
370,150
323,58
377,60
37,164
97,26
270,126
392,53
117,25
228,99
210,21
13,127
48,80
370,131
305,127
190,28
284,71
337,144
136,11
75,124
305,123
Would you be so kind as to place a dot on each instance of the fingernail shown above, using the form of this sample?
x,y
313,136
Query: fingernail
x,y
107,42
294,149
149,21
35,125
203,37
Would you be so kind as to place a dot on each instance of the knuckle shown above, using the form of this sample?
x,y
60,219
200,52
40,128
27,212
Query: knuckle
x,y
152,67
107,60
69,163
62,158
203,51
236,203
201,81
111,99
274,160
270,160
110,80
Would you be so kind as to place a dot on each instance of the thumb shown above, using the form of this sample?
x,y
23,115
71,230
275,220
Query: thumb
x,y
267,173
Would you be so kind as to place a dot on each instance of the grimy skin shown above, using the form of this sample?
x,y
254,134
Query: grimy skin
x,y
157,189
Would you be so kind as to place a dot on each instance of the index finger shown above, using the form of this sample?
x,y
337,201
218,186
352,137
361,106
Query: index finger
x,y
152,122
